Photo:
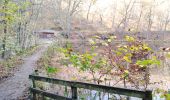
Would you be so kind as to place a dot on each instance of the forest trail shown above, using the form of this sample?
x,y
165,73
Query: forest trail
x,y
14,86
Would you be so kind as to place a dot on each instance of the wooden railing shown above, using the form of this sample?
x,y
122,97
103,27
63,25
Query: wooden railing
x,y
145,95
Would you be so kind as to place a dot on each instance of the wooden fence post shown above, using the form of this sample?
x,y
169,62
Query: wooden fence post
x,y
74,93
34,84
148,95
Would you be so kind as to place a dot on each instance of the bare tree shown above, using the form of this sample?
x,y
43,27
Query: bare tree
x,y
140,16
92,2
64,13
126,14
167,20
114,13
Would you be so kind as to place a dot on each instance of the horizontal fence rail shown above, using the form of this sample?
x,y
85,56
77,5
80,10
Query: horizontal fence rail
x,y
145,95
47,94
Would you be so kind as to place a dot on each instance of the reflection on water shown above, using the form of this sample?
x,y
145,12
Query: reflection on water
x,y
95,95
84,94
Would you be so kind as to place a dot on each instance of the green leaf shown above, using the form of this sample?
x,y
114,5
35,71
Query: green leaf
x,y
51,70
143,63
167,96
148,62
74,59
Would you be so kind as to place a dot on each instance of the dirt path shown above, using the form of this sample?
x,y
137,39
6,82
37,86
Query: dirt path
x,y
15,85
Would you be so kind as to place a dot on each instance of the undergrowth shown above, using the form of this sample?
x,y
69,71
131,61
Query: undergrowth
x,y
45,61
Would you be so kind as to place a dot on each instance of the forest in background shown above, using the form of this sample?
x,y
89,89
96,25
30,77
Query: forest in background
x,y
119,43
18,20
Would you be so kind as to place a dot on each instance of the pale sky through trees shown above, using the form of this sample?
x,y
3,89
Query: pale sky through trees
x,y
107,8
114,11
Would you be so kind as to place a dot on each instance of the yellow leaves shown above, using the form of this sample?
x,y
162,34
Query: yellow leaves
x,y
126,71
113,37
109,40
91,42
105,44
73,78
129,38
27,13
134,48
125,46
126,58
96,37
118,53
94,54
146,47
168,55
122,49
125,74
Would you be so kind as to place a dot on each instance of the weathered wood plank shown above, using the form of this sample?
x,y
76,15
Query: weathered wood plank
x,y
74,93
102,88
148,95
47,94
34,84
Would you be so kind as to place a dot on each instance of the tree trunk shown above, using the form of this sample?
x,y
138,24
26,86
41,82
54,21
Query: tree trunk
x,y
5,29
4,40
89,10
68,27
